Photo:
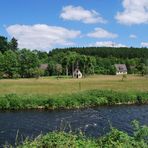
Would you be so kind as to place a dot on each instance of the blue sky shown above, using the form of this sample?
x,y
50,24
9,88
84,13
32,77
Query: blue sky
x,y
48,24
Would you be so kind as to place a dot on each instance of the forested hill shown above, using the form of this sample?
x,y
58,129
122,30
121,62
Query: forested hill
x,y
24,63
104,52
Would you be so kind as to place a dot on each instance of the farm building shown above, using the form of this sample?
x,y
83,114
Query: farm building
x,y
77,73
43,66
120,69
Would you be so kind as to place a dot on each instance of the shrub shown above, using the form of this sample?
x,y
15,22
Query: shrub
x,y
113,139
82,99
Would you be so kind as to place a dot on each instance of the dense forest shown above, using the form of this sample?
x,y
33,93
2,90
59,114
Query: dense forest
x,y
25,63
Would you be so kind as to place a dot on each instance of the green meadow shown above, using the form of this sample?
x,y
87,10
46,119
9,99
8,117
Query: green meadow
x,y
52,85
67,93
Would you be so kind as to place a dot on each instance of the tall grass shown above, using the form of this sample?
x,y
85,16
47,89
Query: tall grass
x,y
82,99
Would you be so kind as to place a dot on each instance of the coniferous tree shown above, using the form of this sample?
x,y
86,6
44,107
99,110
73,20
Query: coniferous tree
x,y
13,44
3,44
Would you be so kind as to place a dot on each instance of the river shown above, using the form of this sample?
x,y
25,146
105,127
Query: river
x,y
93,121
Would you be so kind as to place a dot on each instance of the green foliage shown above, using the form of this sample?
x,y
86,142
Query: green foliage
x,y
42,56
140,132
28,61
3,44
1,63
10,63
124,77
51,68
60,140
142,68
1,75
90,60
76,100
58,68
113,139
16,76
107,52
38,72
13,45
120,139
35,72
104,59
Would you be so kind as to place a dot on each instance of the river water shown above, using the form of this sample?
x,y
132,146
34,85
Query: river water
x,y
93,121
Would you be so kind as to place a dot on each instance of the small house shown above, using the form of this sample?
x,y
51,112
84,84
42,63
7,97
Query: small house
x,y
77,73
43,67
120,69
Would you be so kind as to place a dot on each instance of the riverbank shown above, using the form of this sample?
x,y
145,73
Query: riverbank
x,y
83,99
114,139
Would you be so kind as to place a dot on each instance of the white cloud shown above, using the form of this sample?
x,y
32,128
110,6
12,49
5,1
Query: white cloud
x,y
144,44
101,33
107,44
80,14
135,12
133,36
41,36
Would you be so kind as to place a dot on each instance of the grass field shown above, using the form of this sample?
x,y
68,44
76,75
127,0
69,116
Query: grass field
x,y
52,86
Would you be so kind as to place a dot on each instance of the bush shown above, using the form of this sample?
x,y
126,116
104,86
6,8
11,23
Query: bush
x,y
113,139
1,75
77,100
16,76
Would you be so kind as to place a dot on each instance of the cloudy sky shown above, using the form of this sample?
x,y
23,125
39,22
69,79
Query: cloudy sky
x,y
48,24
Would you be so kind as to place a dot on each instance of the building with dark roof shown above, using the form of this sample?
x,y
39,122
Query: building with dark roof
x,y
120,69
77,73
43,66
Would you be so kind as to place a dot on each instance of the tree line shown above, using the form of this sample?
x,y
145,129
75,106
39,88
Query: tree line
x,y
25,63
101,60
105,52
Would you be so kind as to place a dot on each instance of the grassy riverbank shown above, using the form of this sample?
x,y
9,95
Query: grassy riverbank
x,y
114,139
81,99
68,93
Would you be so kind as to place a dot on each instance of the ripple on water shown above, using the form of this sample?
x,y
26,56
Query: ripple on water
x,y
92,121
